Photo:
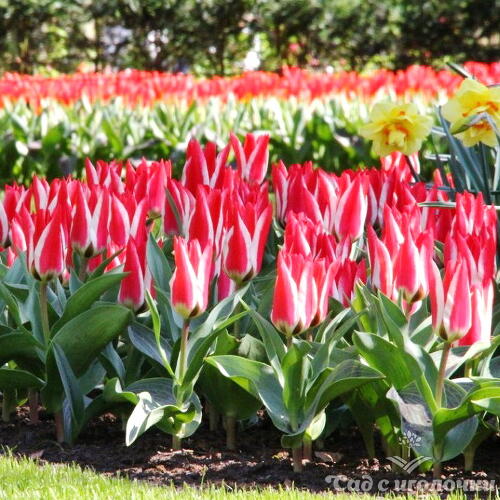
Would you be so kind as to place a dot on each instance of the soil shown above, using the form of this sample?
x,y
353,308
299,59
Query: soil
x,y
259,462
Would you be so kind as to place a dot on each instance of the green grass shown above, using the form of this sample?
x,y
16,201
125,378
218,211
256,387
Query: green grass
x,y
25,479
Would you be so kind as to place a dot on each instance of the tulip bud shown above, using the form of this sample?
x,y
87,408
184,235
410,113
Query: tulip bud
x,y
190,282
132,286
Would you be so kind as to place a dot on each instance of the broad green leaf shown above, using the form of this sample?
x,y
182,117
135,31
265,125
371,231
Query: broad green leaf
x,y
85,297
82,339
259,380
72,391
18,379
158,264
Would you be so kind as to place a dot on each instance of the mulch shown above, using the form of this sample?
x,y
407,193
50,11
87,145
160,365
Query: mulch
x,y
259,462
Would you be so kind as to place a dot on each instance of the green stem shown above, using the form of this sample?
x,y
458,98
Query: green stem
x,y
469,455
44,311
176,443
82,272
289,341
59,421
439,399
231,433
307,448
442,373
183,350
468,368
33,404
8,404
297,459
436,471
213,417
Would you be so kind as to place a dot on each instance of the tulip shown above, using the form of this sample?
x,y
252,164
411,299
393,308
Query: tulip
x,y
190,282
351,212
4,226
81,236
301,293
247,231
132,286
204,167
451,305
410,269
49,251
380,265
251,158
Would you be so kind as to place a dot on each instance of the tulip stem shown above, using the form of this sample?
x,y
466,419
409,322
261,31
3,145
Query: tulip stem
x,y
442,373
230,433
307,448
44,311
82,272
33,405
183,349
176,443
8,404
297,458
59,421
289,341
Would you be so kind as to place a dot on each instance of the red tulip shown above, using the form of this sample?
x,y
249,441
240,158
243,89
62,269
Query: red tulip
x,y
380,265
301,293
81,236
247,231
49,252
132,286
204,167
351,211
251,158
190,282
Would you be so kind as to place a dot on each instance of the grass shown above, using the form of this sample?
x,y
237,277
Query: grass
x,y
25,479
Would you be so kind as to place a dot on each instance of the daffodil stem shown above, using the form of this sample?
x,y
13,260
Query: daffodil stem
x,y
44,311
442,373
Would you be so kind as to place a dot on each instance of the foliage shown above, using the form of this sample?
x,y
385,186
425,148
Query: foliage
x,y
212,36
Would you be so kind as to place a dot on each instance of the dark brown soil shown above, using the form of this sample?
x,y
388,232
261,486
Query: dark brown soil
x,y
259,461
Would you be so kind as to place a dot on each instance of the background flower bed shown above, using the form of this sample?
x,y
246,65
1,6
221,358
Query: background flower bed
x,y
49,126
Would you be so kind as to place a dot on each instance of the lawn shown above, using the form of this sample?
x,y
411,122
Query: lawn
x,y
17,476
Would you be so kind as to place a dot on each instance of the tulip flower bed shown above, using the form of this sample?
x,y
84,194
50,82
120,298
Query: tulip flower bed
x,y
219,294
48,126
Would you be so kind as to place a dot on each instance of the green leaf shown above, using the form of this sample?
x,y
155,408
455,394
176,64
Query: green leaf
x,y
17,346
82,339
72,391
385,357
143,339
18,379
273,342
296,369
259,380
158,264
85,297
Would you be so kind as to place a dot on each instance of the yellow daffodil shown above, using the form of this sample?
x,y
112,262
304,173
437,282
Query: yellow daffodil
x,y
396,127
467,110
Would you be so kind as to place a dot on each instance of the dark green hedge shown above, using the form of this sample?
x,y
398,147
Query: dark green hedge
x,y
211,36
